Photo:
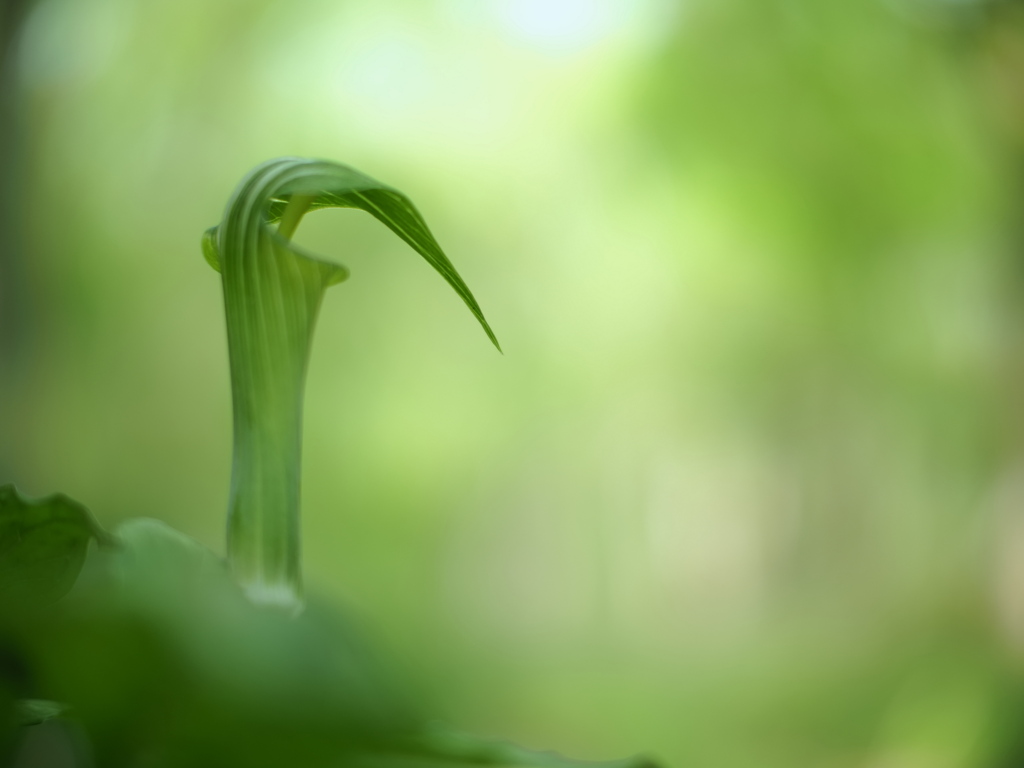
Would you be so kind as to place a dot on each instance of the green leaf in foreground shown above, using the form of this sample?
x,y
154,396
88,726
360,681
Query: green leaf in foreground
x,y
440,742
36,711
161,659
42,546
272,294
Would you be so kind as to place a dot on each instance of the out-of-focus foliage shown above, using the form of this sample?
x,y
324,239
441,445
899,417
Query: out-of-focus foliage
x,y
161,659
746,487
42,547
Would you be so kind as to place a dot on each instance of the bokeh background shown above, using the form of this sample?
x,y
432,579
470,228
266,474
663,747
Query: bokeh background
x,y
746,487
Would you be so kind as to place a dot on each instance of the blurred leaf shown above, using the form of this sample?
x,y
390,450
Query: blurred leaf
x,y
36,711
160,567
160,653
444,742
42,546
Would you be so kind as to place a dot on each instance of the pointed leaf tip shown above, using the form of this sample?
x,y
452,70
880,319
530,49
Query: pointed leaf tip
x,y
43,545
263,198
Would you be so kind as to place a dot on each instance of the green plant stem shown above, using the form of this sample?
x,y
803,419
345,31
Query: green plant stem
x,y
269,339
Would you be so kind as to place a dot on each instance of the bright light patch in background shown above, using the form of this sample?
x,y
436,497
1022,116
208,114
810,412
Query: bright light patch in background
x,y
373,70
558,25
568,27
391,72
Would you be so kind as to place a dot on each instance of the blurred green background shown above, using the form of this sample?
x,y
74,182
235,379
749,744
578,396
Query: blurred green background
x,y
747,486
